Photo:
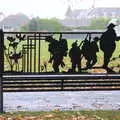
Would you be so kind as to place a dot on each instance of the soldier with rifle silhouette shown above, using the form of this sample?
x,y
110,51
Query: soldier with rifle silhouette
x,y
85,49
93,49
57,49
89,50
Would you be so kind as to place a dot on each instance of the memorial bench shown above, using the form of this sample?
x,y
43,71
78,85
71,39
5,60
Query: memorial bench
x,y
30,78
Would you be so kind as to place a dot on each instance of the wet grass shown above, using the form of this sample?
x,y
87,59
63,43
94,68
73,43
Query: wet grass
x,y
63,115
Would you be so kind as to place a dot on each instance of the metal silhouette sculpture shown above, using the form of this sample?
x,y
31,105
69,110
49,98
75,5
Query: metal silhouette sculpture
x,y
88,50
23,52
57,49
93,49
85,50
13,55
107,44
75,56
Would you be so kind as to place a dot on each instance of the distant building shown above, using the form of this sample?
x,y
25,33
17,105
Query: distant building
x,y
82,17
7,28
13,22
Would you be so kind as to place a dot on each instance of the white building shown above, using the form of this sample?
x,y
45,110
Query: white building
x,y
82,17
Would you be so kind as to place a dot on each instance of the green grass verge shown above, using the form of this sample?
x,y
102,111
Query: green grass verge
x,y
64,115
45,55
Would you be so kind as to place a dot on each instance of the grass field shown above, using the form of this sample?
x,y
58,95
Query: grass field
x,y
63,115
45,55
114,63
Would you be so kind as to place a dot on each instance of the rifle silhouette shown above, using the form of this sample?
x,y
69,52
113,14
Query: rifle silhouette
x,y
82,43
83,40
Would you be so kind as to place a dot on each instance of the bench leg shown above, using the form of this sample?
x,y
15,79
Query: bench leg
x,y
1,96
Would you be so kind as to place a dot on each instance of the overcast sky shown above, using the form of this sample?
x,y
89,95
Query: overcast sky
x,y
50,8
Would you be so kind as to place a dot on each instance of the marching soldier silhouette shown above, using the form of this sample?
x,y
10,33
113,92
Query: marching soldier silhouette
x,y
63,48
107,43
89,50
57,49
93,49
85,50
75,55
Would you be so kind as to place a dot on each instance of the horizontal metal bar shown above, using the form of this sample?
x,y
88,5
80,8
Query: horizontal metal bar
x,y
62,76
31,86
80,32
55,82
93,81
51,82
65,89
15,80
59,85
31,90
91,85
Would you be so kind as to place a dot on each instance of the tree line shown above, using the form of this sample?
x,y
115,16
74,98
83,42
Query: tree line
x,y
53,24
37,24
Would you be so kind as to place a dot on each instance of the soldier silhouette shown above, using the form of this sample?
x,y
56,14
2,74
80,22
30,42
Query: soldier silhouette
x,y
75,55
93,49
57,52
85,50
107,43
63,48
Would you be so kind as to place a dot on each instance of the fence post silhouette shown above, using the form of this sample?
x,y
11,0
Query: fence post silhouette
x,y
1,68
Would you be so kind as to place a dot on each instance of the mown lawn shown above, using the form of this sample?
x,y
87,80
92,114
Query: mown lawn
x,y
45,55
114,63
63,115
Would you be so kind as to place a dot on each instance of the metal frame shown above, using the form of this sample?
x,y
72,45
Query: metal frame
x,y
36,81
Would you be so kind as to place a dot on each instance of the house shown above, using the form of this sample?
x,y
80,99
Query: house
x,y
13,22
83,17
